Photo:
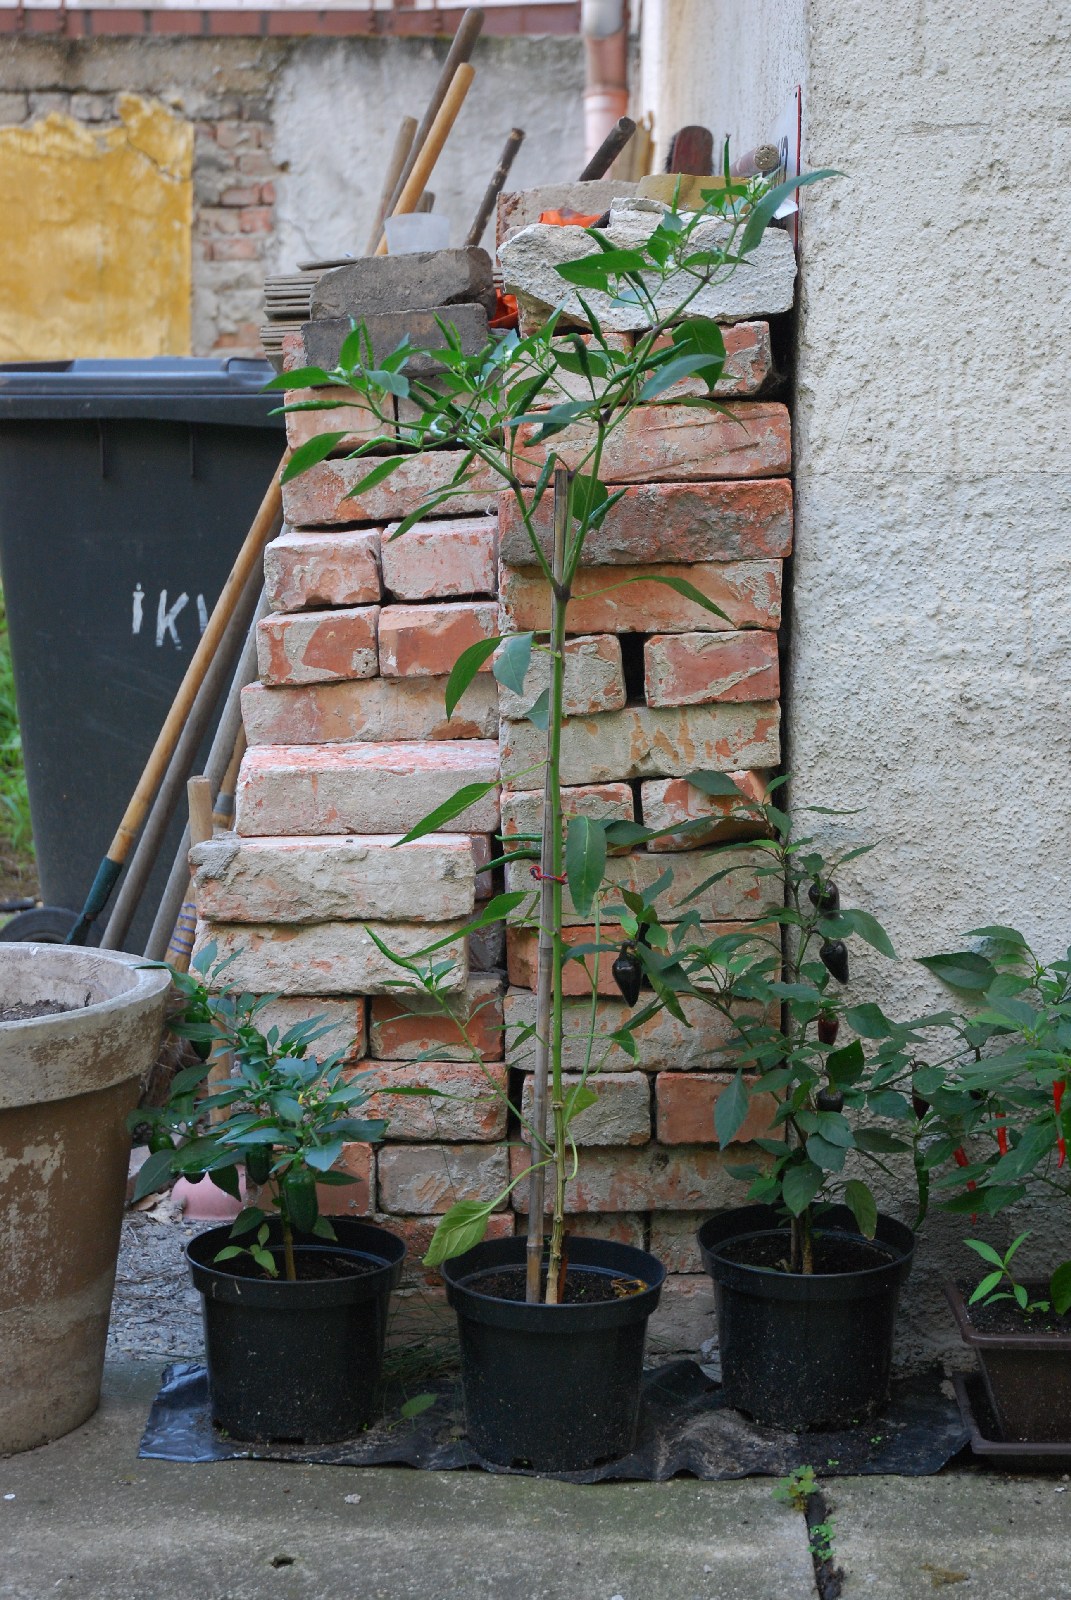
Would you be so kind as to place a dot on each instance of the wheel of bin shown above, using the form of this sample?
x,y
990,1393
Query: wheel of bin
x,y
42,925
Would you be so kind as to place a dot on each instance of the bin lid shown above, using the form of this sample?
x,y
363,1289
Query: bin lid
x,y
167,388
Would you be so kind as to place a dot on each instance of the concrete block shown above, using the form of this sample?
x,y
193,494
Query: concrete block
x,y
370,710
370,788
594,679
747,592
652,741
426,1180
328,958
692,669
620,1116
374,285
523,207
473,1104
310,571
441,560
402,1030
314,647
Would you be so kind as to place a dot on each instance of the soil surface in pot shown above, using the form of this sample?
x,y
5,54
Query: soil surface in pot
x,y
20,1012
582,1285
313,1266
1005,1317
833,1252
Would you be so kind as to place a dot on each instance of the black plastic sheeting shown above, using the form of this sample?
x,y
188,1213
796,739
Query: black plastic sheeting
x,y
685,1427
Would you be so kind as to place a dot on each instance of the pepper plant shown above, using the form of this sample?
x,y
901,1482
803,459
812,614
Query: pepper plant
x,y
501,409
282,1114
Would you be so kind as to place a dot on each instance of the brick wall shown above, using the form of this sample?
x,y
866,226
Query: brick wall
x,y
350,745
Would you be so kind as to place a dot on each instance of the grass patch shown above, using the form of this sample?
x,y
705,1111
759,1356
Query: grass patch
x,y
16,833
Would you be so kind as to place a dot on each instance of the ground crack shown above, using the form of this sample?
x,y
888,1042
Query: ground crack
x,y
828,1577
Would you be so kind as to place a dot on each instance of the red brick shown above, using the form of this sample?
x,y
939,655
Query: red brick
x,y
322,495
686,522
417,1233
330,958
239,196
657,444
594,679
426,1180
650,742
643,1178
243,248
748,368
369,709
668,801
353,418
267,190
441,560
355,1199
310,571
256,219
620,1116
748,592
622,1227
521,953
232,134
684,1109
317,647
522,809
404,1029
361,788
473,1106
692,669
425,641
743,894
674,1242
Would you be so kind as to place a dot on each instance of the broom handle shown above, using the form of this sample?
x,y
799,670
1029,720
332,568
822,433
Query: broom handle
x,y
437,137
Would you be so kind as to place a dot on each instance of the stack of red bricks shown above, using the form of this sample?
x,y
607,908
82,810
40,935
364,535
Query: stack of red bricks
x,y
349,745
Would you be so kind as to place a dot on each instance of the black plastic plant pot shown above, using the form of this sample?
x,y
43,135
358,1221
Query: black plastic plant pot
x,y
553,1388
804,1351
297,1362
1027,1376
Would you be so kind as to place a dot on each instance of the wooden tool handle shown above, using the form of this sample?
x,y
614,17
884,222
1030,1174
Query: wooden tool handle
x,y
199,793
403,143
609,150
440,129
764,158
494,188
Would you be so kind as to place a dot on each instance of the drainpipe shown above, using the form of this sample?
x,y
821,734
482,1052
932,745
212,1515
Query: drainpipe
x,y
604,24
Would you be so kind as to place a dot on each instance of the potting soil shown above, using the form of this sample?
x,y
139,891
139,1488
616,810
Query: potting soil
x,y
685,1427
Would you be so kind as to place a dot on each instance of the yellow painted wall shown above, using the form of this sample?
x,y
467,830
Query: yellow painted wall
x,y
95,236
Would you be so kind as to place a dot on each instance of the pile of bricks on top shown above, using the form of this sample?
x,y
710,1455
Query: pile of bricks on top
x,y
349,745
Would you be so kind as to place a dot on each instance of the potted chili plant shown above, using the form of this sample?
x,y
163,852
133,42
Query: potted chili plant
x,y
1000,1093
294,1303
552,1337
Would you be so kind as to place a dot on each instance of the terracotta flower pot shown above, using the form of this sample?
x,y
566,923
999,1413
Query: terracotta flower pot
x,y
67,1082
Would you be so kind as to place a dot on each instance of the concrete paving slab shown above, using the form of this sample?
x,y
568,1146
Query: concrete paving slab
x,y
85,1519
961,1534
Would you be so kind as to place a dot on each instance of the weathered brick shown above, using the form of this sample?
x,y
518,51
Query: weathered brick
x,y
692,669
620,1116
371,788
350,414
322,495
661,444
522,809
621,1227
368,709
472,1107
669,801
662,1042
673,1239
441,560
314,880
426,1180
748,592
666,522
650,742
576,977
352,1199
735,898
748,369
318,647
310,571
685,1102
686,1316
425,641
642,1178
594,679
372,285
519,208
325,336
417,1233
346,1019
328,958
402,1030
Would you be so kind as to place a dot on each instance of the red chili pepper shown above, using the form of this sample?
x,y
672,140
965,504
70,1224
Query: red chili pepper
x,y
1002,1134
959,1155
1057,1099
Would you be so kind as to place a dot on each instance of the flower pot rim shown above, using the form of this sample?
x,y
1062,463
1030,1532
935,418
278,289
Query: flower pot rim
x,y
147,978
216,1281
539,1317
1047,1341
903,1246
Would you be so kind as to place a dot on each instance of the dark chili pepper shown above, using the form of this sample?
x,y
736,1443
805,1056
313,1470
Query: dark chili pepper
x,y
258,1163
828,1028
834,957
1058,1090
299,1198
159,1140
829,1100
1002,1134
202,1048
825,897
919,1105
627,973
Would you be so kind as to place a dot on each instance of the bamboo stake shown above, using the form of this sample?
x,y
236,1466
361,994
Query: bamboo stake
x,y
199,795
494,188
403,143
549,956
437,137
264,526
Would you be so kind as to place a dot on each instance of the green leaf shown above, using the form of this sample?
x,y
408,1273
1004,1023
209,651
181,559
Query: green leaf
x,y
310,454
987,1285
986,1252
716,784
462,1227
1060,1289
381,470
861,1203
460,801
578,1099
762,213
868,1020
585,861
465,669
680,586
674,371
322,1157
824,1154
539,711
961,970
870,929
513,660
731,1109
300,378
417,1406
846,1064
875,1141
800,1184
154,1173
